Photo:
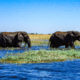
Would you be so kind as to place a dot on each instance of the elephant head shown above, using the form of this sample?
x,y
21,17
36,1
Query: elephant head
x,y
26,39
74,35
50,41
22,37
77,35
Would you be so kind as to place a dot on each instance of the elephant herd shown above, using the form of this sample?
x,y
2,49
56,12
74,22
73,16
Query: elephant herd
x,y
57,39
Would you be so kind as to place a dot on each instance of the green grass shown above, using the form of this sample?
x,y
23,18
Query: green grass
x,y
77,43
39,43
41,56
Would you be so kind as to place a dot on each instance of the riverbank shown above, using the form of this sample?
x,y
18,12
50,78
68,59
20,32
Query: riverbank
x,y
41,56
41,39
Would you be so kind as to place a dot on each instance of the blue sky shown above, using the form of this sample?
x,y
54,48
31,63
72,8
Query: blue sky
x,y
39,16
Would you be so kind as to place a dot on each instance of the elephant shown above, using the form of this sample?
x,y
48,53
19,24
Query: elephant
x,y
67,39
13,39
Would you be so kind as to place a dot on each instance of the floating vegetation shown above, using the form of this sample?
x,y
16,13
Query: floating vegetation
x,y
41,56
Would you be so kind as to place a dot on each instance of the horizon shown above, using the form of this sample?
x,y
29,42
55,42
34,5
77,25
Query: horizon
x,y
39,16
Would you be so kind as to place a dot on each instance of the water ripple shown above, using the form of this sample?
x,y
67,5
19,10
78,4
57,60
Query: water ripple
x,y
67,70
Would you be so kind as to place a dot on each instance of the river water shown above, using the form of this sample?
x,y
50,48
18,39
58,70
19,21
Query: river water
x,y
21,50
67,70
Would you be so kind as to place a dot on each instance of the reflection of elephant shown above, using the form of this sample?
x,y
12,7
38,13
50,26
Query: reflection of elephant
x,y
13,39
64,38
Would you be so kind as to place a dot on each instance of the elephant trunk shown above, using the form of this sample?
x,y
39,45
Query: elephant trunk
x,y
29,43
27,40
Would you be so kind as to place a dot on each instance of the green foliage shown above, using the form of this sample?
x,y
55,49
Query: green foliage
x,y
42,56
77,43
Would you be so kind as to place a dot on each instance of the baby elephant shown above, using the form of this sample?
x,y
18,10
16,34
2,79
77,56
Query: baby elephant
x,y
58,39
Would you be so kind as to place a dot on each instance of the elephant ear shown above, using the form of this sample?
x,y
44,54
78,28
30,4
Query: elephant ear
x,y
16,38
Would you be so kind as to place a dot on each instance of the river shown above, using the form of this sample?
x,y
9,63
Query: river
x,y
67,70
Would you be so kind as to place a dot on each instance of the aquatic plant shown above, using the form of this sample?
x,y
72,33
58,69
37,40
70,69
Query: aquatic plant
x,y
41,56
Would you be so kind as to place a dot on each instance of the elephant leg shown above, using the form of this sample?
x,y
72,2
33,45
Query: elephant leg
x,y
66,46
16,45
72,45
57,47
51,45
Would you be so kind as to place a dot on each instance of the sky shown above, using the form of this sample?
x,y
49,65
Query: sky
x,y
39,16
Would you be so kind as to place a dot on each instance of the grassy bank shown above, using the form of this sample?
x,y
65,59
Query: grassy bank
x,y
41,56
39,39
40,36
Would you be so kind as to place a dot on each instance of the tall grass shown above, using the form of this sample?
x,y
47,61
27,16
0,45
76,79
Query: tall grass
x,y
41,56
77,43
39,39
40,36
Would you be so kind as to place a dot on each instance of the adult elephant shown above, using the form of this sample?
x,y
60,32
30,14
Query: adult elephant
x,y
64,38
13,39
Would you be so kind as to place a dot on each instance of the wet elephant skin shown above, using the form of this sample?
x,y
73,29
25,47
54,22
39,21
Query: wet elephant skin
x,y
13,39
67,39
